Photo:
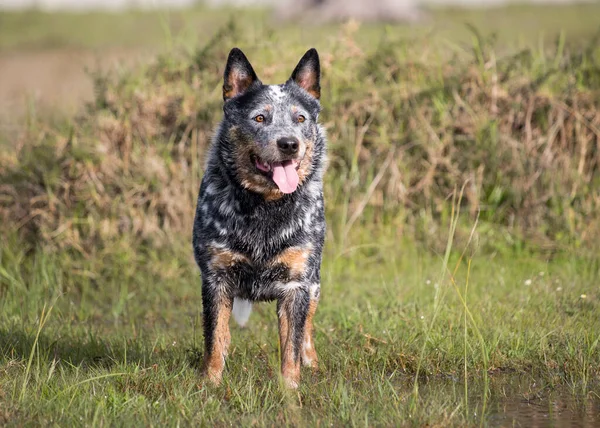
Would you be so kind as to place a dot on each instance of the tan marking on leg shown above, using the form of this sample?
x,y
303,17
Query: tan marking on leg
x,y
290,370
214,362
294,258
223,258
309,354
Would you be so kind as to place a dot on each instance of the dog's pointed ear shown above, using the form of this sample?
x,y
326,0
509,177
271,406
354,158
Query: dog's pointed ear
x,y
307,73
239,75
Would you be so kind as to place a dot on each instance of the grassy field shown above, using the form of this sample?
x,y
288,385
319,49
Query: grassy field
x,y
460,276
118,341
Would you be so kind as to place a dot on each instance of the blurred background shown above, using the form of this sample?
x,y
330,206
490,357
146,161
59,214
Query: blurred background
x,y
46,46
474,67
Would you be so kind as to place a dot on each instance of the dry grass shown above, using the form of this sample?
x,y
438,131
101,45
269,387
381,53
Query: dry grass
x,y
522,130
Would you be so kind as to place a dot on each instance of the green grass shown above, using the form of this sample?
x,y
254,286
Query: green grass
x,y
122,341
165,29
30,30
427,317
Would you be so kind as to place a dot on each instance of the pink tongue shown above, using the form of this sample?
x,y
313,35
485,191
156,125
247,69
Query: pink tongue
x,y
285,176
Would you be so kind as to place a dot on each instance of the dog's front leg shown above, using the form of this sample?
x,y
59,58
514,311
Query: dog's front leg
x,y
217,309
309,354
292,310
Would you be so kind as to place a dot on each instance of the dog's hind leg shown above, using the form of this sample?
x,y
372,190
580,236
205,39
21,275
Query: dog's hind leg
x,y
309,354
292,310
217,310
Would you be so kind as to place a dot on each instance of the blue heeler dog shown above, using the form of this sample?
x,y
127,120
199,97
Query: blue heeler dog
x,y
260,224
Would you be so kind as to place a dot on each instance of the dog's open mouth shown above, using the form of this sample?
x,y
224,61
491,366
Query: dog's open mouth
x,y
284,174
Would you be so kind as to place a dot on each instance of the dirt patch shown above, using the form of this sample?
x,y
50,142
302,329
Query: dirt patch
x,y
54,81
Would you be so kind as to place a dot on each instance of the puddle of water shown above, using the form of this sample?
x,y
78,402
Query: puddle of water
x,y
520,401
555,411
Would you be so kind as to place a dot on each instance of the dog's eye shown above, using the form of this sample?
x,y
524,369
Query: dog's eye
x,y
301,119
259,118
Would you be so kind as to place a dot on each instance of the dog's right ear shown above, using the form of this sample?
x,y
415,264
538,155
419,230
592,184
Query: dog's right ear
x,y
239,75
307,73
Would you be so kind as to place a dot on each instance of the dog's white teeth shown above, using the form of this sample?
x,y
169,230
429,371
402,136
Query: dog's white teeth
x,y
263,166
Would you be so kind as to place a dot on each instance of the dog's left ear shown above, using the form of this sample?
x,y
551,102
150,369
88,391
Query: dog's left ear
x,y
307,73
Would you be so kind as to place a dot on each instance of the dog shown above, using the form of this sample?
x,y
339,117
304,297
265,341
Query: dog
x,y
259,227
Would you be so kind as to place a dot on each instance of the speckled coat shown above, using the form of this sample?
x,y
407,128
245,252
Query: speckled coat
x,y
260,226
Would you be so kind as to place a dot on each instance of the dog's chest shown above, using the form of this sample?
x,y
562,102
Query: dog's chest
x,y
260,257
260,232
262,248
264,235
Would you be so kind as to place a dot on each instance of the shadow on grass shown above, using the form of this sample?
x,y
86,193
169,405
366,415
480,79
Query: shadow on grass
x,y
90,351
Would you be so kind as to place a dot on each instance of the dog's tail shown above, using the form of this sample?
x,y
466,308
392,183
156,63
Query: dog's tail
x,y
241,310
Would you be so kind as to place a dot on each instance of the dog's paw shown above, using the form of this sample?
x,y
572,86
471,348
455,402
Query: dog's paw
x,y
214,376
309,356
290,383
291,375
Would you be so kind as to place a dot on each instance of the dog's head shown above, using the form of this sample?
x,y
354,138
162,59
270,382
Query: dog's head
x,y
272,129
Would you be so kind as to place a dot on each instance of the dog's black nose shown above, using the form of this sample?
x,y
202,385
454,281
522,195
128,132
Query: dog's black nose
x,y
288,145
